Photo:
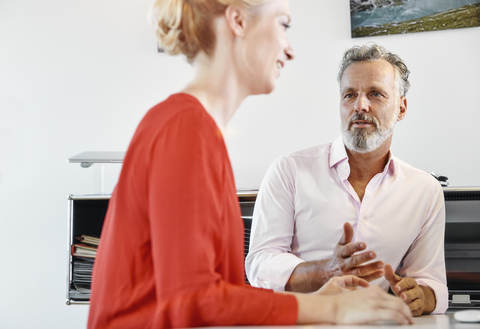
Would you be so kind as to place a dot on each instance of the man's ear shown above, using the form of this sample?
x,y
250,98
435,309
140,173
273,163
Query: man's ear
x,y
403,109
236,20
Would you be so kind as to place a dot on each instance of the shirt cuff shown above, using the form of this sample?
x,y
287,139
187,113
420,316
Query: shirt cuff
x,y
275,274
441,294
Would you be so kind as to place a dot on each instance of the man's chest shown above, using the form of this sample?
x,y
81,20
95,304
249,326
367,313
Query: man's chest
x,y
385,219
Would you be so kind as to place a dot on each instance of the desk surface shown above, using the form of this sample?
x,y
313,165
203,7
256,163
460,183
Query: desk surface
x,y
424,322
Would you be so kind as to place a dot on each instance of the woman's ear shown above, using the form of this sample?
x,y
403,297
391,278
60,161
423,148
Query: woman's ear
x,y
236,20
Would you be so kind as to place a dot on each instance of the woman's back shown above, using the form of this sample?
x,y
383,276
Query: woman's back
x,y
172,244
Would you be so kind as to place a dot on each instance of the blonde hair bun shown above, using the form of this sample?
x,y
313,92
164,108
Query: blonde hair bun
x,y
166,17
185,26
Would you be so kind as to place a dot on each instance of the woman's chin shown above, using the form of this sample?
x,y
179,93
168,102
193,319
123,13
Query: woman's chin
x,y
264,90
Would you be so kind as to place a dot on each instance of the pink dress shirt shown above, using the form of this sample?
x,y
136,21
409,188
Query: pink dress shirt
x,y
305,198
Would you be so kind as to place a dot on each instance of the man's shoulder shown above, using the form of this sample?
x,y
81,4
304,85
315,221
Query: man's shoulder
x,y
414,173
311,152
307,161
402,165
292,161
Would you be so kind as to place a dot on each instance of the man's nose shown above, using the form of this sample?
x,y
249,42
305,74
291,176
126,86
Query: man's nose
x,y
361,104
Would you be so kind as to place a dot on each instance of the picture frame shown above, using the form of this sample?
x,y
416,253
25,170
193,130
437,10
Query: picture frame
x,y
386,17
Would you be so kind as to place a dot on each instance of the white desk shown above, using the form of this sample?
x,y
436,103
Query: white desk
x,y
424,322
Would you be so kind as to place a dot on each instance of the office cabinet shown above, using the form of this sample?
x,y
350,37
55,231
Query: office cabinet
x,y
462,246
86,214
85,217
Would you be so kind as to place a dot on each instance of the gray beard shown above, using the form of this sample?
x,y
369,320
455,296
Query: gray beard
x,y
362,141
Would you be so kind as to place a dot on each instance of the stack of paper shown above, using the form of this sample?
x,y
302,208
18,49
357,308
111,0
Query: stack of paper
x,y
82,266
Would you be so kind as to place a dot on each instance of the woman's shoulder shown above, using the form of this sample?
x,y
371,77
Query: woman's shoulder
x,y
176,108
180,116
177,103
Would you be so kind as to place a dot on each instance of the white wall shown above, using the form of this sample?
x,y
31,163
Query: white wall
x,y
79,75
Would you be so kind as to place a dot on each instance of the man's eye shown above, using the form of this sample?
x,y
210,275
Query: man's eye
x,y
286,26
348,95
376,94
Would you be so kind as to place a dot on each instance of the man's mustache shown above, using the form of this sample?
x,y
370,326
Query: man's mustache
x,y
361,117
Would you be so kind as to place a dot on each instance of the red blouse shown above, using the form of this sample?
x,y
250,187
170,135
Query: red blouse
x,y
171,252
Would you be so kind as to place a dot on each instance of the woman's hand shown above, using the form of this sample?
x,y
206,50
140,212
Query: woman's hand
x,y
371,305
336,303
341,284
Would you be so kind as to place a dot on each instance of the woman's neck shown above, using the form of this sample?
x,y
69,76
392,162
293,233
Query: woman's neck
x,y
217,87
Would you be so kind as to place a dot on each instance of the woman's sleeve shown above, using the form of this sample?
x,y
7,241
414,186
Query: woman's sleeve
x,y
185,206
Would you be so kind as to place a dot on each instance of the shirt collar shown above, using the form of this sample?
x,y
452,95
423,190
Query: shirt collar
x,y
338,154
391,166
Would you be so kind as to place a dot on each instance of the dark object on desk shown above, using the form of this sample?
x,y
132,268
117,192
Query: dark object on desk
x,y
462,246
442,179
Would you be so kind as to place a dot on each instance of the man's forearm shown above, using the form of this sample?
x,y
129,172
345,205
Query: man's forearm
x,y
430,300
309,276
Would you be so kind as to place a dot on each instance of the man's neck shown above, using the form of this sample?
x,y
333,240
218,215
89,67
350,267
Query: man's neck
x,y
364,166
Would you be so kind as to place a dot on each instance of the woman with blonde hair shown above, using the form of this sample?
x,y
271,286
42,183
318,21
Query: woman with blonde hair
x,y
172,243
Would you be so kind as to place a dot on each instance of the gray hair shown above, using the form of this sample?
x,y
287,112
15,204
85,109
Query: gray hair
x,y
373,52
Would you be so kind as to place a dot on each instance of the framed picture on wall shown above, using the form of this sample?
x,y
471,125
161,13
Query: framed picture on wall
x,y
384,17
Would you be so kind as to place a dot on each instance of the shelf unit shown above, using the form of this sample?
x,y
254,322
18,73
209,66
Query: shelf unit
x,y
86,214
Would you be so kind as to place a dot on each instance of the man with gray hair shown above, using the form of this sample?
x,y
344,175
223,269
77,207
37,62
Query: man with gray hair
x,y
356,190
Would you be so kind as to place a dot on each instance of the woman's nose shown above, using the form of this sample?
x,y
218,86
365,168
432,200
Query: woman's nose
x,y
290,53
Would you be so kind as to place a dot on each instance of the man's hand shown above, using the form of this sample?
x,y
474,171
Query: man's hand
x,y
420,299
346,262
311,276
